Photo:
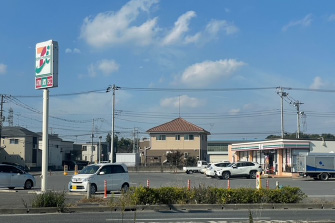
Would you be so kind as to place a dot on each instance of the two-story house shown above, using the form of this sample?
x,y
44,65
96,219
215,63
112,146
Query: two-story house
x,y
20,146
176,135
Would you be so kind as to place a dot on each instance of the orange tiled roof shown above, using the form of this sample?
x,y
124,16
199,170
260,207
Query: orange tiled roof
x,y
177,125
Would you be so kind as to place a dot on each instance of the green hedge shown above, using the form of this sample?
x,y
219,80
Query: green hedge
x,y
211,195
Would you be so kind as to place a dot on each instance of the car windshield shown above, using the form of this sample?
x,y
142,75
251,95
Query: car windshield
x,y
91,169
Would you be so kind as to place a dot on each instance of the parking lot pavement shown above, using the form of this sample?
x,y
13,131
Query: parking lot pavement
x,y
318,191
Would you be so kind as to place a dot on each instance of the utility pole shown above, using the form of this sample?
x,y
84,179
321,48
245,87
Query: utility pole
x,y
92,141
282,95
99,150
111,157
297,104
1,118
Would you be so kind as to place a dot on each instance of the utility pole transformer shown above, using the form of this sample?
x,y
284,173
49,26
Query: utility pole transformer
x,y
297,104
282,95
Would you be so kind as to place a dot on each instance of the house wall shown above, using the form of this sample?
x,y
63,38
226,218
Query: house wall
x,y
54,154
172,144
160,148
15,153
86,154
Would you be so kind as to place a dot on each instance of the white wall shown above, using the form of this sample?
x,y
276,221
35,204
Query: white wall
x,y
322,146
129,159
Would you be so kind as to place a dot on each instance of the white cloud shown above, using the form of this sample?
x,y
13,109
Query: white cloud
x,y
3,68
306,21
235,111
183,101
75,50
110,29
202,74
318,83
108,66
92,70
178,34
331,18
215,26
180,27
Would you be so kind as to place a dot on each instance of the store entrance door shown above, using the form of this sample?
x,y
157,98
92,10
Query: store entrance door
x,y
271,163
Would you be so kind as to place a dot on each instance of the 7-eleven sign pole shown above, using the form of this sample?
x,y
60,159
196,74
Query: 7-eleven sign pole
x,y
46,76
45,147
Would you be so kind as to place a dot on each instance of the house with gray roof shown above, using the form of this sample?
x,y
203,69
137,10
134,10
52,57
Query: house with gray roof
x,y
19,145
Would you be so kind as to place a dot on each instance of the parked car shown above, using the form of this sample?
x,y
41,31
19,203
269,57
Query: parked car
x,y
203,170
12,176
240,169
24,168
116,175
211,171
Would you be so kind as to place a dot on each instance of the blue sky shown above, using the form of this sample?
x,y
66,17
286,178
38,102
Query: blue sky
x,y
243,49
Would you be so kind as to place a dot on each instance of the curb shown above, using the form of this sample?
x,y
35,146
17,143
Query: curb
x,y
178,207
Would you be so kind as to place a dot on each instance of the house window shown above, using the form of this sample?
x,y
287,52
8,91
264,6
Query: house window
x,y
178,137
189,137
14,141
161,137
84,148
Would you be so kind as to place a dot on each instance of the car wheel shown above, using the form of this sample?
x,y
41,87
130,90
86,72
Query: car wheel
x,y
93,188
125,188
28,184
324,176
225,175
252,174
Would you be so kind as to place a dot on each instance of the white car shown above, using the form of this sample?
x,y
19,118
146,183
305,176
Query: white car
x,y
11,177
115,174
203,170
211,171
240,169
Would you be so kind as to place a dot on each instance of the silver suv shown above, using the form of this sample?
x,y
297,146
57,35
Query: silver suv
x,y
239,169
116,175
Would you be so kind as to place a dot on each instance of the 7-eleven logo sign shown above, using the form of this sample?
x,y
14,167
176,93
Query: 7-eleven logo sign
x,y
46,67
43,65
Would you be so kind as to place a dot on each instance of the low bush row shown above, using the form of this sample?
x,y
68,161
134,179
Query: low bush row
x,y
175,195
211,195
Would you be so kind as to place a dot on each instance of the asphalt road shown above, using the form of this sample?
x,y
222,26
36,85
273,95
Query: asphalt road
x,y
179,216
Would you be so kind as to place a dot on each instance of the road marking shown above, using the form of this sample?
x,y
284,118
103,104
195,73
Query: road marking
x,y
183,219
8,191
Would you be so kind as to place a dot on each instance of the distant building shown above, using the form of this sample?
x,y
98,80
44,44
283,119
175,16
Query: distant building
x,y
176,135
91,152
217,150
278,156
20,146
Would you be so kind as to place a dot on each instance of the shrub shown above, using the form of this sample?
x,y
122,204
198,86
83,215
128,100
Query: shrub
x,y
210,195
49,199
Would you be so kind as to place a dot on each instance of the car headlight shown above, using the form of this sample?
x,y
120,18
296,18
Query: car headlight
x,y
86,179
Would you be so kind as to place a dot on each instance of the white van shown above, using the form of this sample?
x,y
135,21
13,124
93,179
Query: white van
x,y
116,175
